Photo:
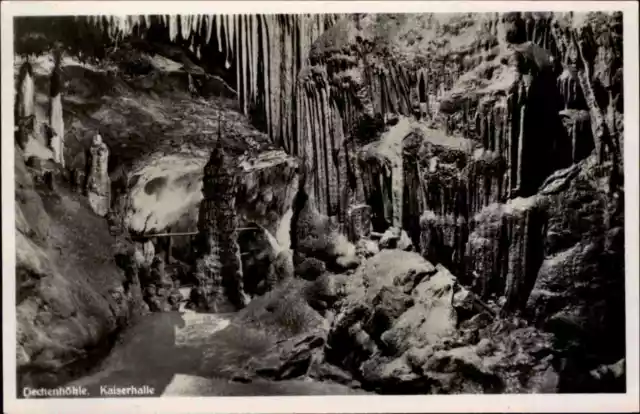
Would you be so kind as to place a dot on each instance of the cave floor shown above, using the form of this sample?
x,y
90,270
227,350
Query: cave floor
x,y
193,354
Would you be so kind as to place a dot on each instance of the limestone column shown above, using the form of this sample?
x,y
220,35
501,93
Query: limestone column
x,y
220,264
26,93
25,105
98,183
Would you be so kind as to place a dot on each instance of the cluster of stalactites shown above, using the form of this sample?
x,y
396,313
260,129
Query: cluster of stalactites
x,y
331,102
267,51
538,29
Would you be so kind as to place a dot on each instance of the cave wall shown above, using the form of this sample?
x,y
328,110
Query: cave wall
x,y
71,294
499,103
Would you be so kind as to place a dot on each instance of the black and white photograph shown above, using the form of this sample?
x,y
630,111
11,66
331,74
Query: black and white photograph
x,y
354,203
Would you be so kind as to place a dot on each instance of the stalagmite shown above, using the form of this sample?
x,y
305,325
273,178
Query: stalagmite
x,y
219,266
26,93
98,187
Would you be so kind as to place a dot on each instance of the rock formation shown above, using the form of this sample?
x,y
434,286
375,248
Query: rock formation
x,y
25,102
220,264
437,200
24,109
98,184
246,42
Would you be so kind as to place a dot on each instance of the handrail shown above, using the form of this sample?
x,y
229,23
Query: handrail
x,y
193,233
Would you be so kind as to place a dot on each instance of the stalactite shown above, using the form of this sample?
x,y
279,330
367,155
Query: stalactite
x,y
248,34
598,122
521,140
299,116
514,131
232,21
332,171
286,78
242,53
266,57
211,21
173,27
317,133
310,152
490,130
255,53
274,54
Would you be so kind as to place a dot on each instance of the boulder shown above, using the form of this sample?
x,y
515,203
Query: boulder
x,y
395,238
388,304
310,268
405,242
374,296
461,370
392,376
366,248
289,359
329,372
323,292
431,319
280,269
390,238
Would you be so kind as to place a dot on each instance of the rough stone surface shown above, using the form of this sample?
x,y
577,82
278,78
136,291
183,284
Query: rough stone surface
x,y
366,248
69,298
98,187
317,237
431,319
406,327
217,227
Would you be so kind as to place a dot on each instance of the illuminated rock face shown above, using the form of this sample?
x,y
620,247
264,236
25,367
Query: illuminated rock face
x,y
220,267
98,187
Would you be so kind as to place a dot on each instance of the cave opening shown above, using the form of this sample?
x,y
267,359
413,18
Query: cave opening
x,y
545,135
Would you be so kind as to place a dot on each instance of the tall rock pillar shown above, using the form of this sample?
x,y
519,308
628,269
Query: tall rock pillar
x,y
98,186
220,265
26,92
25,105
